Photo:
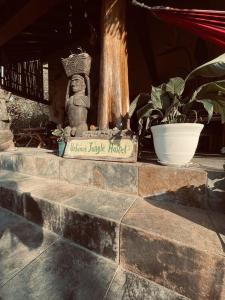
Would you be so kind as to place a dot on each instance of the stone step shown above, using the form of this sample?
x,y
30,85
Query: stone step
x,y
88,216
182,248
37,264
176,246
194,186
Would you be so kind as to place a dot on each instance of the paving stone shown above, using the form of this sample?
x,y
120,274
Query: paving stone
x,y
76,171
120,177
31,151
44,165
51,190
42,205
21,242
39,211
209,162
186,186
92,219
63,272
187,225
56,191
93,232
7,161
16,195
11,200
107,204
6,175
175,246
20,182
218,221
42,212
127,285
216,191
192,273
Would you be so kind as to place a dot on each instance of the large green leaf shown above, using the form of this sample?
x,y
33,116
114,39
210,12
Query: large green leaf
x,y
216,105
138,102
219,107
212,69
160,98
156,95
212,96
209,90
145,111
172,112
167,101
147,114
58,132
175,86
208,105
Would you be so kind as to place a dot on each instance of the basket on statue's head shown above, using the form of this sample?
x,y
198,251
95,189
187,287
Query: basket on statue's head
x,y
77,64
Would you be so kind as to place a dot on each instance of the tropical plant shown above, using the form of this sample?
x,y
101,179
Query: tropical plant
x,y
60,133
175,101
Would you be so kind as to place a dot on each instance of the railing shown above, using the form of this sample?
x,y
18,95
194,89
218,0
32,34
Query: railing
x,y
24,79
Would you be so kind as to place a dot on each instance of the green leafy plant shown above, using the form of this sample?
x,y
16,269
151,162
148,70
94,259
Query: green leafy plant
x,y
60,133
181,100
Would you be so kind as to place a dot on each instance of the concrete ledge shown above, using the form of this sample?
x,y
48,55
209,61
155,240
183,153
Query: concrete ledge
x,y
186,185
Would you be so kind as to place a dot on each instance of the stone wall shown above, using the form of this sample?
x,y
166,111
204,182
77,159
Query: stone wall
x,y
25,113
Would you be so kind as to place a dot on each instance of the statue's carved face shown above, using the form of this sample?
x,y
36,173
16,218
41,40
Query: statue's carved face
x,y
77,84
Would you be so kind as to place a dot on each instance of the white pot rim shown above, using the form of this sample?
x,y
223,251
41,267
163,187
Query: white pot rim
x,y
175,144
180,125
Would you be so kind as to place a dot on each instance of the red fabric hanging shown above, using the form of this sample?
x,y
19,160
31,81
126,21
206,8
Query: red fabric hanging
x,y
207,24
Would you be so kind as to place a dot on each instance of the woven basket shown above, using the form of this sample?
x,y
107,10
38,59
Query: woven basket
x,y
77,64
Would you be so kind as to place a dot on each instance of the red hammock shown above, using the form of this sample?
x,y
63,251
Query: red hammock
x,y
207,24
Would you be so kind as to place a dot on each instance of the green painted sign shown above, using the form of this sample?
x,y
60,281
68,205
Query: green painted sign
x,y
96,148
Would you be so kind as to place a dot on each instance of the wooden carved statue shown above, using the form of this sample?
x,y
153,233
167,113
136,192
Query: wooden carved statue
x,y
77,105
77,68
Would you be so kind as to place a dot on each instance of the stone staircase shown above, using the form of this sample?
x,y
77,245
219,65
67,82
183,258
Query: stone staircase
x,y
161,228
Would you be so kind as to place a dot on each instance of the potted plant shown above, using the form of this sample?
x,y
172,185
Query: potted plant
x,y
172,110
61,139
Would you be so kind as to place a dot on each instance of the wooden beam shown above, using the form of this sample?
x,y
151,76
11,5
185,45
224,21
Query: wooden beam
x,y
27,15
114,90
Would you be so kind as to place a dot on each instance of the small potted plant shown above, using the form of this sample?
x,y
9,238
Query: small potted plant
x,y
171,110
61,139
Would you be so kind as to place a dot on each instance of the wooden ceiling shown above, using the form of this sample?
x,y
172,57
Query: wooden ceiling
x,y
49,32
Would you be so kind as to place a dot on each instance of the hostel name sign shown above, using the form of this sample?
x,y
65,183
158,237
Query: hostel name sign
x,y
116,149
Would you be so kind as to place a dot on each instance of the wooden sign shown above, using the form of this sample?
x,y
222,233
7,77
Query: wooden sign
x,y
114,149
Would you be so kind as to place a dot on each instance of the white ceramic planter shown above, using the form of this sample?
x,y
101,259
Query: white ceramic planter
x,y
175,144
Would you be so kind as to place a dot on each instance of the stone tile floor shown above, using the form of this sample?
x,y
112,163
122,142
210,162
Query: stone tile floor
x,y
37,264
31,262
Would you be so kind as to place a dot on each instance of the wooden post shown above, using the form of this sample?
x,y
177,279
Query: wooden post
x,y
114,90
